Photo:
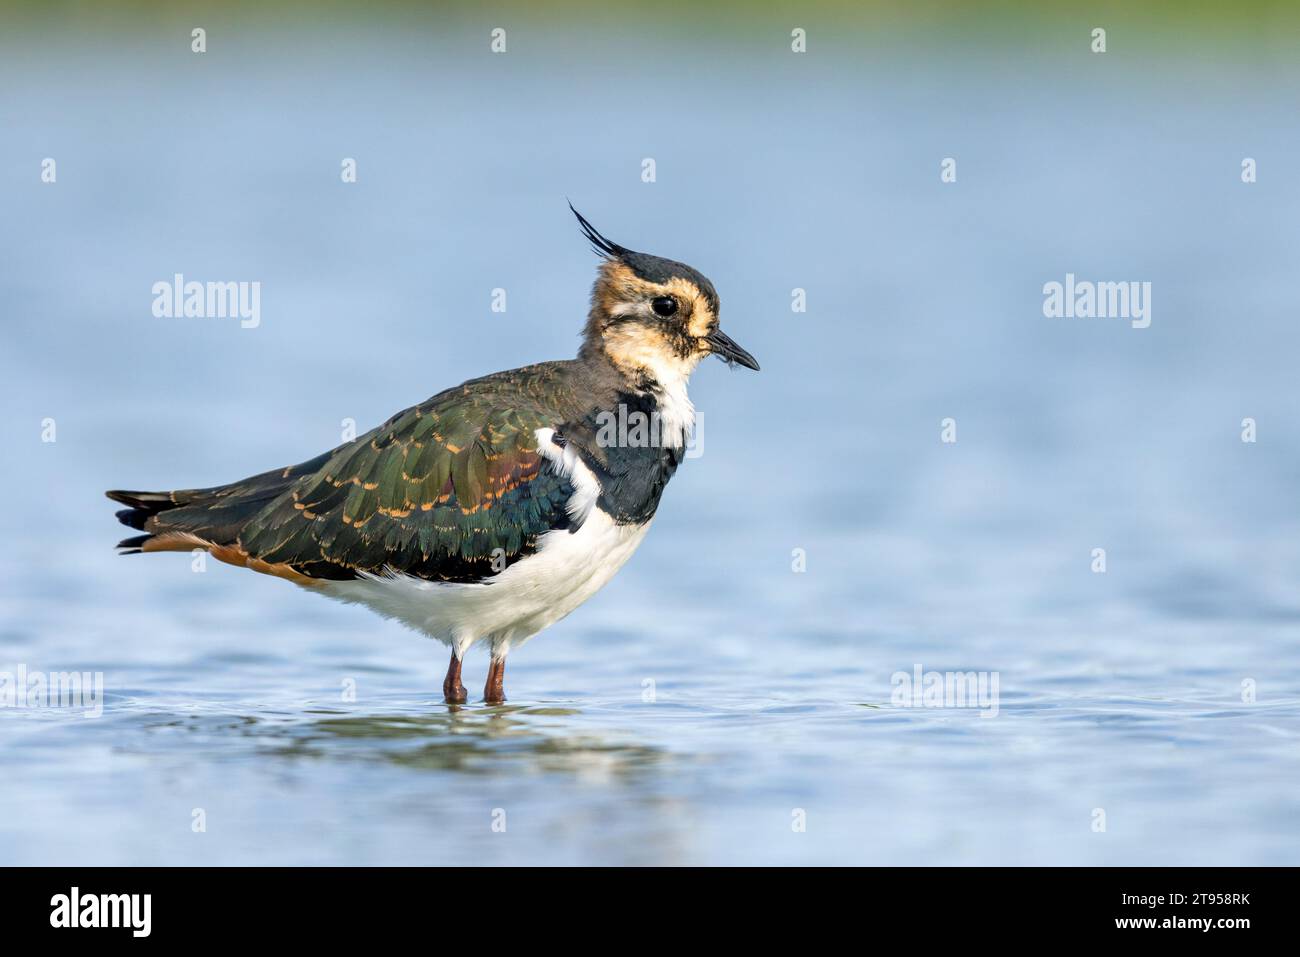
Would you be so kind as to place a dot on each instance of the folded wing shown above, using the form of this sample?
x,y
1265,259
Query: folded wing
x,y
451,490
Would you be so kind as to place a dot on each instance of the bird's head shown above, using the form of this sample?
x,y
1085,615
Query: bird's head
x,y
654,318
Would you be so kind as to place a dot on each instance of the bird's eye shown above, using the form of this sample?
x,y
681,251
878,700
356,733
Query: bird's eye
x,y
663,305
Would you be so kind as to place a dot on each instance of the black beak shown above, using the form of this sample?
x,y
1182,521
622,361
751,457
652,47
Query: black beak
x,y
726,349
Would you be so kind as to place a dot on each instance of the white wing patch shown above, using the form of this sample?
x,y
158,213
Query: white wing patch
x,y
568,463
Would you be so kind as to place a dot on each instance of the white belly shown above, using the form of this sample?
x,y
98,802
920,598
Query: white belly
x,y
534,592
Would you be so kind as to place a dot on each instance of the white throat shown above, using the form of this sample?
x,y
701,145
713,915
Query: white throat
x,y
676,411
671,373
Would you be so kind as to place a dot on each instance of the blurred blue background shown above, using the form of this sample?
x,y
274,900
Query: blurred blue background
x,y
774,171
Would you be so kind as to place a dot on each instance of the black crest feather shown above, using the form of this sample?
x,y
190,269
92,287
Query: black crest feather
x,y
599,244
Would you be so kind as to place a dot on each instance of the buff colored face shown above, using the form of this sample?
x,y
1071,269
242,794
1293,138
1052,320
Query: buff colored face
x,y
664,328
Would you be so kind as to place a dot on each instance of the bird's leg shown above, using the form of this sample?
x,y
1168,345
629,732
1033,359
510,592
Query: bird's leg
x,y
453,692
494,692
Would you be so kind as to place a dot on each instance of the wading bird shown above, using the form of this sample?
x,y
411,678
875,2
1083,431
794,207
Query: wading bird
x,y
495,508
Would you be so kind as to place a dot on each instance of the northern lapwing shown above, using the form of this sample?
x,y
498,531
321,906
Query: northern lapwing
x,y
493,509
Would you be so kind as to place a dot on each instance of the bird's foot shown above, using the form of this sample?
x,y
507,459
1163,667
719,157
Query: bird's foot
x,y
494,692
453,692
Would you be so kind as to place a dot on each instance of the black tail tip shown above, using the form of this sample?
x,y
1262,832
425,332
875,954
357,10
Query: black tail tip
x,y
150,500
133,545
133,517
142,505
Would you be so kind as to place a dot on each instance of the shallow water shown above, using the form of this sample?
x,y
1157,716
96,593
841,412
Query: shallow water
x,y
710,694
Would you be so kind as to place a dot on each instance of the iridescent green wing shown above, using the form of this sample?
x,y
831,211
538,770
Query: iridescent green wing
x,y
453,489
